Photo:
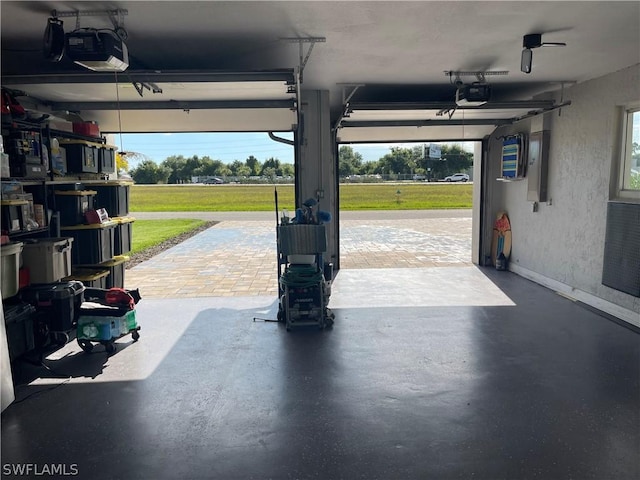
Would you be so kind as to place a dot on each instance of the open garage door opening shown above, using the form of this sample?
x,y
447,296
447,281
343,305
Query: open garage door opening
x,y
407,205
228,181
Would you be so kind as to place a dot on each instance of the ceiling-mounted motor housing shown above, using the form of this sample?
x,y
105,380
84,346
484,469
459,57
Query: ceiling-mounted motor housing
x,y
97,50
473,95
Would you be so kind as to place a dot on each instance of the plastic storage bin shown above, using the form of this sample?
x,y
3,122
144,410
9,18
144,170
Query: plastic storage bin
x,y
10,268
113,197
73,204
82,157
20,330
116,271
123,235
48,259
60,303
13,215
93,243
90,277
107,159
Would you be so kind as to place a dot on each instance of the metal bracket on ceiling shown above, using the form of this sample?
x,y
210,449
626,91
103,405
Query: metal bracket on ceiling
x,y
534,113
345,101
140,86
454,75
116,16
449,111
301,41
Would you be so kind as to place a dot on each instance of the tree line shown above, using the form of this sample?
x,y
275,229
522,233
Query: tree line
x,y
400,160
179,169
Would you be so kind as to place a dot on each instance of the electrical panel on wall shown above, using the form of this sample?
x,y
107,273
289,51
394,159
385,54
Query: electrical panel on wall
x,y
537,166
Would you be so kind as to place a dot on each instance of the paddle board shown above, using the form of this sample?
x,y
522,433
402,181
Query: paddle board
x,y
501,241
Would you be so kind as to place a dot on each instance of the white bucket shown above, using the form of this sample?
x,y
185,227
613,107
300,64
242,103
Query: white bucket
x,y
10,268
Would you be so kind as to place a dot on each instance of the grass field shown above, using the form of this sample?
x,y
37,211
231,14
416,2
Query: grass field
x,y
148,233
246,198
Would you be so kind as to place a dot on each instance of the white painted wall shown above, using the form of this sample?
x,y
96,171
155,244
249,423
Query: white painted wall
x,y
564,241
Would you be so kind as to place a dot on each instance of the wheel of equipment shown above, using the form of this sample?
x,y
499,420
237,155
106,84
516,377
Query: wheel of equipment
x,y
85,345
60,338
135,335
110,347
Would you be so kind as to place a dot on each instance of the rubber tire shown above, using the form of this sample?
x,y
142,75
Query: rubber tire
x,y
110,347
135,335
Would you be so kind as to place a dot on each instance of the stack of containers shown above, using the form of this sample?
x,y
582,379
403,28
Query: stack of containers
x,y
18,315
113,196
48,261
93,243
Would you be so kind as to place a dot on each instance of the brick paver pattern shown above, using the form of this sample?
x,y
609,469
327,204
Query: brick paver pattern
x,y
237,258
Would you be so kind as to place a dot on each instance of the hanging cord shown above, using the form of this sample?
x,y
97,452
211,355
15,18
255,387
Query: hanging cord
x,y
119,117
463,124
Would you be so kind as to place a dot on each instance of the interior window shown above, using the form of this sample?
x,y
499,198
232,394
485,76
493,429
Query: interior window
x,y
630,161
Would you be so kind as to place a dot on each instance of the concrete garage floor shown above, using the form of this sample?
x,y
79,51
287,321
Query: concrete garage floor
x,y
462,372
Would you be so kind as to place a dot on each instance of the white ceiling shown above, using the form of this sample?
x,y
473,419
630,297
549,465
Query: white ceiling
x,y
397,50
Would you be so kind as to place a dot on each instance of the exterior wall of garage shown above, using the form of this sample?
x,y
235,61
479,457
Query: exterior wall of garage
x,y
562,244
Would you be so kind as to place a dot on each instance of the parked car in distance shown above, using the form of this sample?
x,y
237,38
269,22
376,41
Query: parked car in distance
x,y
417,177
457,177
213,181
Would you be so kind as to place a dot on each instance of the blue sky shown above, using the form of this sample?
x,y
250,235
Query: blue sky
x,y
226,146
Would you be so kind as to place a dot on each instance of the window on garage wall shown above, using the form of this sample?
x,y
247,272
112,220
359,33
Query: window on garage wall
x,y
629,167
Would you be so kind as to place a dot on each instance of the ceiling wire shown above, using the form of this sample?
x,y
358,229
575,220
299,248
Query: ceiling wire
x,y
463,124
119,116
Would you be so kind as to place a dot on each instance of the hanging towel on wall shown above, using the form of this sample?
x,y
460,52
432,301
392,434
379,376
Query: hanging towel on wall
x,y
511,150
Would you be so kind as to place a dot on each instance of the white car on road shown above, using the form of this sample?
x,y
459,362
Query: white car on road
x,y
457,177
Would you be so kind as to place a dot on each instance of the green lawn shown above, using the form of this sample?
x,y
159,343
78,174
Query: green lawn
x,y
241,198
148,233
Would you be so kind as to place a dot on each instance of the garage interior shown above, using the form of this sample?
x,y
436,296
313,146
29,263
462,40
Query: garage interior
x,y
427,373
